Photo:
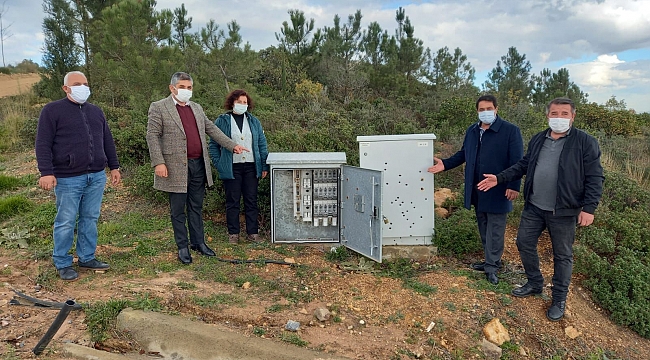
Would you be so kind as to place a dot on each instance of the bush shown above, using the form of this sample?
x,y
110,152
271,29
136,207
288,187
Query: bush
x,y
458,234
613,253
139,179
129,131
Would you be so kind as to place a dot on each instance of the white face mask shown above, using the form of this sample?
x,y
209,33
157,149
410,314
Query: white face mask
x,y
79,93
183,95
487,117
239,108
559,125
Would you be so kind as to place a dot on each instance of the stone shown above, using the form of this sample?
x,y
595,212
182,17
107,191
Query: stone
x,y
292,325
571,332
491,350
322,314
304,311
441,195
495,332
246,285
441,212
290,260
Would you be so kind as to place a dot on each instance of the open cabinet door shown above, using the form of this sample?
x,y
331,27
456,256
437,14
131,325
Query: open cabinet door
x,y
361,218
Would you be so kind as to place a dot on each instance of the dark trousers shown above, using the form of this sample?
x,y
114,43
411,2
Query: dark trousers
x,y
492,228
191,203
244,184
562,230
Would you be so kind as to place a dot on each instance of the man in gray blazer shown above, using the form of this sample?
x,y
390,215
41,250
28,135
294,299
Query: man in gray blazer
x,y
179,154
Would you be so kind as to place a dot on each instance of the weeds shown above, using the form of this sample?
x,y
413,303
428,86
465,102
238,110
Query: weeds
x,y
12,205
217,301
294,339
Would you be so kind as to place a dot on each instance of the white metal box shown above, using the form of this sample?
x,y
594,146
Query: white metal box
x,y
407,186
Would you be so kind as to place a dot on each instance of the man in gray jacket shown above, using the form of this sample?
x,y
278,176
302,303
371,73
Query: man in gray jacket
x,y
179,154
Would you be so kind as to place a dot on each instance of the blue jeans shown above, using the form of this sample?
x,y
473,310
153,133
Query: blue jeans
x,y
492,228
78,203
562,230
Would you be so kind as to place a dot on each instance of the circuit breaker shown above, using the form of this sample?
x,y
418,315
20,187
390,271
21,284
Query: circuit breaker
x,y
316,198
388,200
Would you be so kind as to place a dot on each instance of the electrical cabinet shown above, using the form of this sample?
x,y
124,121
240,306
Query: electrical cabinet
x,y
316,198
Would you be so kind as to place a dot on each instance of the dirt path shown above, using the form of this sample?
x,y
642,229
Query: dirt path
x,y
373,317
17,83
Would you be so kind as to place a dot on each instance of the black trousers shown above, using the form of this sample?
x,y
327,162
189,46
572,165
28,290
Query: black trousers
x,y
190,203
244,184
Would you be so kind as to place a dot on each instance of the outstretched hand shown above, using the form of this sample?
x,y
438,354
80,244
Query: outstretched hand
x,y
238,149
437,167
488,183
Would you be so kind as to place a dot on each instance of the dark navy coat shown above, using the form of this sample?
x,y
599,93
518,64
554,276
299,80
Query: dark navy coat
x,y
501,147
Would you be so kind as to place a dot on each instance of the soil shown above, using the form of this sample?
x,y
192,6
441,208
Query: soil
x,y
17,83
373,317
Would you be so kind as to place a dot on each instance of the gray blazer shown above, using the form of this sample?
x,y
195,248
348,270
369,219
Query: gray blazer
x,y
168,144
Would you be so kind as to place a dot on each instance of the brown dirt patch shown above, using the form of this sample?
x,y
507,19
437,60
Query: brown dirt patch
x,y
373,317
17,83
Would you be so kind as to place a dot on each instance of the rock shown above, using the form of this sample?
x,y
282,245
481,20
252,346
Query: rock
x,y
441,212
4,323
441,195
304,311
292,325
495,332
350,327
571,332
290,260
322,314
246,285
522,352
491,350
362,322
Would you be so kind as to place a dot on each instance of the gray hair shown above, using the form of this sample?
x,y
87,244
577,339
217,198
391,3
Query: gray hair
x,y
561,101
65,78
178,76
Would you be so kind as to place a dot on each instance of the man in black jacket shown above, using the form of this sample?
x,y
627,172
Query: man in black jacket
x,y
564,183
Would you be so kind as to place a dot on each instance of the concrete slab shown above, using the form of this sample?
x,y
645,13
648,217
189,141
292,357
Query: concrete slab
x,y
179,338
86,353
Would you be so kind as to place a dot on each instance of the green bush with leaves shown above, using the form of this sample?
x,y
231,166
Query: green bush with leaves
x,y
457,234
613,253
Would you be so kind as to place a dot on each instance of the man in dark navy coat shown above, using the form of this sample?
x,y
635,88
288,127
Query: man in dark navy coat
x,y
491,145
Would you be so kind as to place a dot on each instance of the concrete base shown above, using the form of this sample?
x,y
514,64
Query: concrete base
x,y
419,253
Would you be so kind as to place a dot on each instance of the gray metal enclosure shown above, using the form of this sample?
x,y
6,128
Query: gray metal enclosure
x,y
407,187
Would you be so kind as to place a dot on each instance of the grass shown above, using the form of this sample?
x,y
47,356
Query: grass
x,y
294,339
130,228
12,205
100,316
8,182
218,301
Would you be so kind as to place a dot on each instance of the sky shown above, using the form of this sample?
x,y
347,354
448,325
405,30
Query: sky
x,y
605,44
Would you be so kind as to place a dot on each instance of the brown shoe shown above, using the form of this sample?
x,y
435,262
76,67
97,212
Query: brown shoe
x,y
233,238
254,238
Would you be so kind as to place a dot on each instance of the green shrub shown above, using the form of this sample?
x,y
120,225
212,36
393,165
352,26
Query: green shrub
x,y
129,131
613,253
139,179
457,234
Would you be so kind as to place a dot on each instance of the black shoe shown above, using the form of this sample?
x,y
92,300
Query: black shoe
x,y
94,264
525,291
203,249
68,274
184,256
492,278
556,311
480,266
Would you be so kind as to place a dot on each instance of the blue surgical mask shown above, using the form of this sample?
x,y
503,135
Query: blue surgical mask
x,y
487,117
240,108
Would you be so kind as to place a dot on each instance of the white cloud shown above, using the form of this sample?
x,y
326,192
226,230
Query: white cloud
x,y
549,32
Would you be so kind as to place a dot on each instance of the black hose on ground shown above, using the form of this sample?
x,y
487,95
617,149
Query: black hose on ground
x,y
261,261
60,318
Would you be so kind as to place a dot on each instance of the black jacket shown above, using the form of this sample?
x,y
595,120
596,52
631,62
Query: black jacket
x,y
580,175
